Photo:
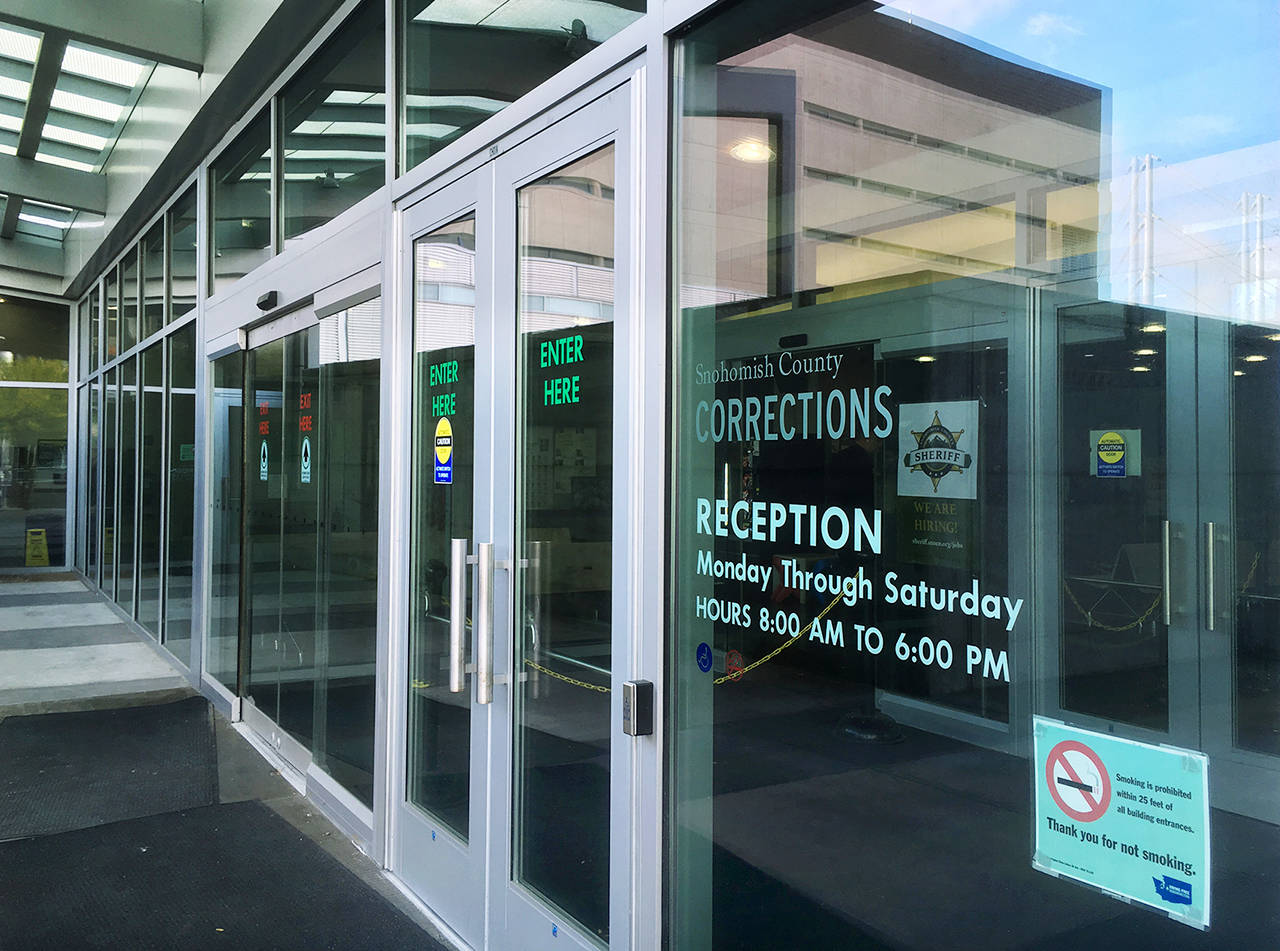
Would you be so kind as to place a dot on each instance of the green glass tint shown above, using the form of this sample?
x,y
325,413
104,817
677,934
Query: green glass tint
x,y
181,218
110,419
444,385
127,486
240,206
152,281
33,476
465,60
150,493
227,425
129,300
181,455
334,116
564,532
311,548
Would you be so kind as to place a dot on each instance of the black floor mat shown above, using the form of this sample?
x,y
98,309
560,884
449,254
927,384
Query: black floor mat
x,y
227,876
63,771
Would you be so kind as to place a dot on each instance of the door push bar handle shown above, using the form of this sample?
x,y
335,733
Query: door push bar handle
x,y
457,614
1165,572
1210,575
484,622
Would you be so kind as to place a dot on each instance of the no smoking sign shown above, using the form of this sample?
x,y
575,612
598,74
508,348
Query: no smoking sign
x,y
1077,780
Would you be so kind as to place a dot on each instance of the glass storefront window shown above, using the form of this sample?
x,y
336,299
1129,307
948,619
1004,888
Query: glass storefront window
x,y
129,300
93,486
311,488
240,205
150,493
110,404
95,327
183,245
33,476
334,121
464,61
111,315
226,423
127,509
33,340
180,450
974,323
152,280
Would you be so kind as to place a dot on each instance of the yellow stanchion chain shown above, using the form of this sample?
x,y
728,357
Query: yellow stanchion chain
x,y
739,674
1088,615
569,680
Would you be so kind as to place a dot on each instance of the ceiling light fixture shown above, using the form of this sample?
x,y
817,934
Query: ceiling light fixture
x,y
751,150
1140,369
1255,358
1144,352
926,358
1153,329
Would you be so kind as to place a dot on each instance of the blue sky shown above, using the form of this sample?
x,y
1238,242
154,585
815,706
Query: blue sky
x,y
1187,79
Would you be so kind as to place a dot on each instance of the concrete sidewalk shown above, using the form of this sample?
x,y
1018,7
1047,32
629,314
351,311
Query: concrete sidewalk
x,y
63,648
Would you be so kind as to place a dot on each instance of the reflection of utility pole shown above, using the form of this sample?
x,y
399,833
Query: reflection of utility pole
x,y
1252,256
1142,230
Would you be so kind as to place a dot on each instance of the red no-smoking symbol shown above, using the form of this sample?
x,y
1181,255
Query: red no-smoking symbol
x,y
1078,782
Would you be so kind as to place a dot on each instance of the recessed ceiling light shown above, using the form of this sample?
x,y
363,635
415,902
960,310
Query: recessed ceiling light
x,y
1140,369
1239,372
1255,358
1275,338
751,150
926,358
1153,328
1144,352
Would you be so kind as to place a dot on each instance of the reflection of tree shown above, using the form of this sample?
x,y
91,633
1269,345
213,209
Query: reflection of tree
x,y
26,414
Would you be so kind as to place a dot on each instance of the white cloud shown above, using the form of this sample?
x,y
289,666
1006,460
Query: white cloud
x,y
961,15
1051,24
1201,127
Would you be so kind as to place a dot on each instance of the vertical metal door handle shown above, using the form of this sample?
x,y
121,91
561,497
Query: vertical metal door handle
x,y
1210,574
457,614
484,622
1165,573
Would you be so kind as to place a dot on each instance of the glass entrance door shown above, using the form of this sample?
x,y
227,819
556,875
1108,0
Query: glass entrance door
x,y
513,774
1166,537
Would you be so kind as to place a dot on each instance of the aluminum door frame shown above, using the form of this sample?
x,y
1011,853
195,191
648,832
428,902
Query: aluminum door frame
x,y
430,859
520,919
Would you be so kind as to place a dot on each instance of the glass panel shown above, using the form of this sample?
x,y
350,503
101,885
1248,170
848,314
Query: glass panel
x,y
33,340
183,243
226,422
126,523
82,340
973,332
297,655
564,527
81,450
1251,561
338,456
182,454
92,487
111,293
33,477
153,280
465,60
444,315
109,421
240,205
95,327
334,116
150,492
1115,644
129,300
263,497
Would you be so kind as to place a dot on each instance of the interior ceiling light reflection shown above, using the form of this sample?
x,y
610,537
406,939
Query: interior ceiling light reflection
x,y
1153,328
751,150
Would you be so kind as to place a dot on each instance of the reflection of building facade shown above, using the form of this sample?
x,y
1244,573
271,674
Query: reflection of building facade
x,y
890,397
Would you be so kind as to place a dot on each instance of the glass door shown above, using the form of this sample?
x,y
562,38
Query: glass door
x,y
515,781
441,842
1238,534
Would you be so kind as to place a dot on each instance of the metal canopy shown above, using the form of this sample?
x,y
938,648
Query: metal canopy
x,y
70,74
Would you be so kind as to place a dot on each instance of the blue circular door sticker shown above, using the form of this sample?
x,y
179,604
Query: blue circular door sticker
x,y
704,657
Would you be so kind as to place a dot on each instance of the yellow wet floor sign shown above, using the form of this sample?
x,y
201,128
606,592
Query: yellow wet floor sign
x,y
37,548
